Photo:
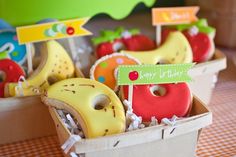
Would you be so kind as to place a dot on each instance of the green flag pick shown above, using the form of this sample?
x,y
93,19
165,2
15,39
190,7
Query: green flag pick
x,y
153,74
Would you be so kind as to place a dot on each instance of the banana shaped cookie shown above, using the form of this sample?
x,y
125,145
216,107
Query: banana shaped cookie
x,y
55,65
175,50
95,106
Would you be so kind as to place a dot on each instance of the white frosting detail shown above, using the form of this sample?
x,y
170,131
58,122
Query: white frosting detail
x,y
193,31
117,46
8,46
135,121
126,34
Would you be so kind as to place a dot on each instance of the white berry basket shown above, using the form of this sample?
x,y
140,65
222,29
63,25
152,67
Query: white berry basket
x,y
205,76
163,141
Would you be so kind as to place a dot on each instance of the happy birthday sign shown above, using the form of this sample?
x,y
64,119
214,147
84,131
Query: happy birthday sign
x,y
153,74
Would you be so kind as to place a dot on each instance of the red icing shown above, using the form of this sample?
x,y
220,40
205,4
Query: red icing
x,y
139,43
12,72
200,44
133,43
176,101
106,48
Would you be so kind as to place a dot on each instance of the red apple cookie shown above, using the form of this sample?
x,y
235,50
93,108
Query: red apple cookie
x,y
9,72
201,44
161,101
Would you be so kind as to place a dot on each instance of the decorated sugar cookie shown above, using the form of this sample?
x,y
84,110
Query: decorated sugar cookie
x,y
95,106
104,69
55,65
161,101
112,41
176,49
202,45
199,35
9,47
9,72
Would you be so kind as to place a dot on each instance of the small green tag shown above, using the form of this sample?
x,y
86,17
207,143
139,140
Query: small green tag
x,y
153,74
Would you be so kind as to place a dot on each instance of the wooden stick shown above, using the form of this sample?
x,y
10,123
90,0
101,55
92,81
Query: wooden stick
x,y
29,58
130,96
73,49
158,34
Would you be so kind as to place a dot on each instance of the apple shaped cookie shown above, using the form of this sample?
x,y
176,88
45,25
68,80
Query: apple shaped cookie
x,y
104,69
55,65
161,101
95,106
176,49
9,72
202,45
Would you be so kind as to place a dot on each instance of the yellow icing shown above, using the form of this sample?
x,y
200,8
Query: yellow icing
x,y
176,49
55,65
78,96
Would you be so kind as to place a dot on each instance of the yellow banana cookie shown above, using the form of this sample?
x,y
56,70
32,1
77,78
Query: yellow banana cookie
x,y
55,65
175,50
95,106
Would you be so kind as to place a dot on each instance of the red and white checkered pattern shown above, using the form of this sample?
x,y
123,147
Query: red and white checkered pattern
x,y
219,139
41,147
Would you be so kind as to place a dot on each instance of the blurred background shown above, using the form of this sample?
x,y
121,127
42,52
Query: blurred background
x,y
220,14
